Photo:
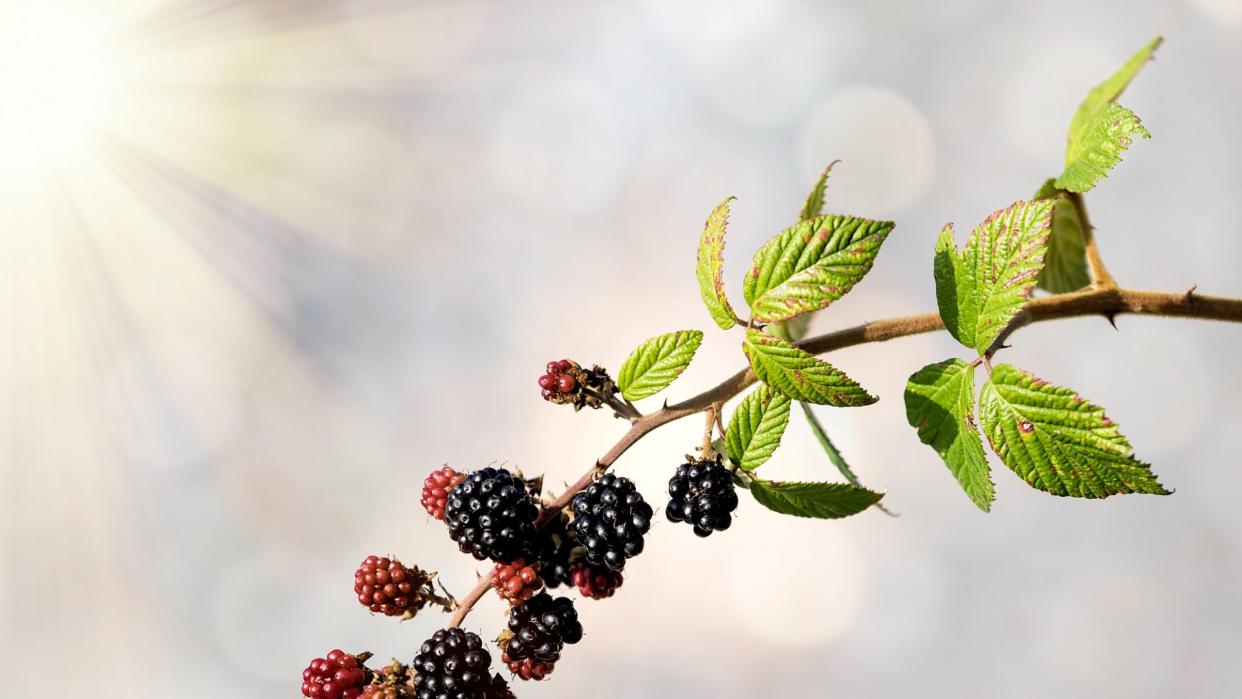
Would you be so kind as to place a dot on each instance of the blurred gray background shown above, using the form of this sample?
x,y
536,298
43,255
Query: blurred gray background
x,y
321,248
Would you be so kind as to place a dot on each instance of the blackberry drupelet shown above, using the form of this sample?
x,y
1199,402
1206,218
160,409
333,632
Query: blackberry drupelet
x,y
490,514
701,494
610,519
541,627
453,664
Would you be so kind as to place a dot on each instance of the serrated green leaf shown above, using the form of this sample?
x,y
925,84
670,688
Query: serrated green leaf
x,y
710,268
1096,146
1065,265
657,362
1111,89
940,404
834,454
981,289
800,375
756,428
819,500
814,205
1058,442
811,264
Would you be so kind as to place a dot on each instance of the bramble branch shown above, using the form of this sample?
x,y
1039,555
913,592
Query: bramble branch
x,y
1105,302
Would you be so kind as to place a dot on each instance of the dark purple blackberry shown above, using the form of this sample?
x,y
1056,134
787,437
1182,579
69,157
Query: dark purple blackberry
x,y
701,494
541,626
555,551
453,664
490,514
610,519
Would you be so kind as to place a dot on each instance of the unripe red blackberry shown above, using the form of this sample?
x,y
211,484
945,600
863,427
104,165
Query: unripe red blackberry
x,y
541,626
528,668
490,514
610,519
560,381
453,663
596,582
701,494
339,675
386,586
516,581
375,691
436,489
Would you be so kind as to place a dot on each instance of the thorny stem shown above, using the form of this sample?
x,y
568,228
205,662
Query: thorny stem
x,y
712,412
1106,302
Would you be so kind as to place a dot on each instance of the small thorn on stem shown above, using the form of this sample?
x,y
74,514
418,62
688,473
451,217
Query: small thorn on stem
x,y
1190,293
1112,319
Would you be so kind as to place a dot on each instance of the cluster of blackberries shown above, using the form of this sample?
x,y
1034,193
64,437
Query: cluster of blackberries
x,y
610,519
455,664
490,514
436,489
338,675
701,494
540,628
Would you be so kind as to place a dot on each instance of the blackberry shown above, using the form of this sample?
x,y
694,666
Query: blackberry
x,y
436,489
337,676
375,691
490,514
500,689
596,582
386,586
516,581
555,550
701,494
541,626
610,519
528,669
453,664
560,382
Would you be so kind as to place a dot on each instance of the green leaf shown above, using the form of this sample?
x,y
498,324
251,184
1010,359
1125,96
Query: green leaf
x,y
1065,265
1096,146
811,264
1111,89
657,362
710,269
756,427
980,290
940,404
1058,442
820,500
800,375
834,455
814,205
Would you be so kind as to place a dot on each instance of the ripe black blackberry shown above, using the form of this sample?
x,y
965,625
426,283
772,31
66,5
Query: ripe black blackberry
x,y
610,519
541,626
453,663
490,514
555,550
701,494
